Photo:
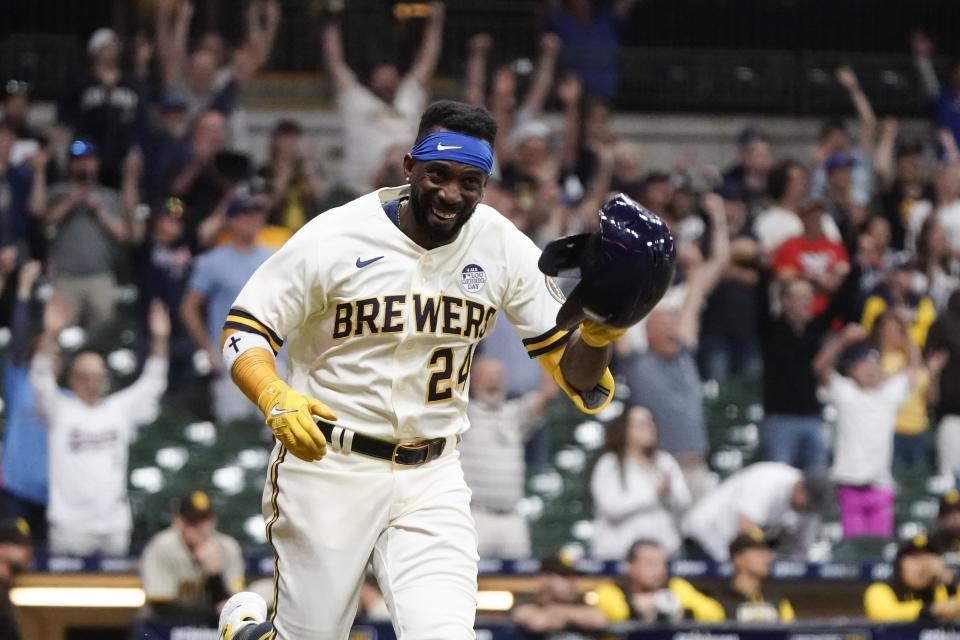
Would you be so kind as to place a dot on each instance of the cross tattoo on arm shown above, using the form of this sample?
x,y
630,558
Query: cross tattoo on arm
x,y
234,341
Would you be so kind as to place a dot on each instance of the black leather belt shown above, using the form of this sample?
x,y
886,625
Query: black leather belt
x,y
411,454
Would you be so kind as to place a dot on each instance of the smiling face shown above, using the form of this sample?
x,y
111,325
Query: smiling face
x,y
443,196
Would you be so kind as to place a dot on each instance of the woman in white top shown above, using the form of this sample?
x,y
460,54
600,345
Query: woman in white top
x,y
638,490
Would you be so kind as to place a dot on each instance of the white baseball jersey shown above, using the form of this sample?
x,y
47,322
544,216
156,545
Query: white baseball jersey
x,y
89,446
381,329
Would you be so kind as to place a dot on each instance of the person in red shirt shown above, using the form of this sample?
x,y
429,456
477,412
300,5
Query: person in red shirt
x,y
813,255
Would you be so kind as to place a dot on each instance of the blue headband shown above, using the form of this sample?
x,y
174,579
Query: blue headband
x,y
455,147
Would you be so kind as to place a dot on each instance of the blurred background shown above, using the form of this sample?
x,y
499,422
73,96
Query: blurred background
x,y
782,454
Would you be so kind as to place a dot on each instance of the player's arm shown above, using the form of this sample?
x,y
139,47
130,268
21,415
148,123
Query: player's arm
x,y
475,78
543,74
823,363
333,56
582,363
575,359
263,20
581,616
430,46
43,378
701,606
276,300
881,604
288,413
868,119
191,314
922,48
173,28
622,8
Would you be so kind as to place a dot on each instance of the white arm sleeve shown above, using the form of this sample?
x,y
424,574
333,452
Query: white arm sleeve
x,y
240,342
141,400
44,384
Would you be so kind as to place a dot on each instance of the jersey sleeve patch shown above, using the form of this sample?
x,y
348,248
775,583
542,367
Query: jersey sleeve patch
x,y
243,321
546,342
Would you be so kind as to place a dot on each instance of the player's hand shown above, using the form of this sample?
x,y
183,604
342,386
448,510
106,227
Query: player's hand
x,y
438,11
158,320
921,44
569,90
847,78
853,332
598,335
480,44
550,44
937,360
56,314
289,414
29,274
209,558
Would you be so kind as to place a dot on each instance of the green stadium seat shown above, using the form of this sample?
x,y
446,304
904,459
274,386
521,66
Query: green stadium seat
x,y
861,549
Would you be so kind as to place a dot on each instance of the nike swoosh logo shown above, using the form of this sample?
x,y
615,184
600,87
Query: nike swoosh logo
x,y
362,263
275,412
443,147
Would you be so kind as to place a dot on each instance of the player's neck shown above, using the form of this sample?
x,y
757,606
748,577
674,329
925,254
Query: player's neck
x,y
746,585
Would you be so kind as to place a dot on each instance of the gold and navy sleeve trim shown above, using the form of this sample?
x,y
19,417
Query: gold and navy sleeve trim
x,y
546,342
243,321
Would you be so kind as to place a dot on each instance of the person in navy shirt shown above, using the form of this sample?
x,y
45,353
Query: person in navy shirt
x,y
591,38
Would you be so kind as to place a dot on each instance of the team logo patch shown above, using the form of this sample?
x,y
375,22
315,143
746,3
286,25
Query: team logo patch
x,y
554,290
473,278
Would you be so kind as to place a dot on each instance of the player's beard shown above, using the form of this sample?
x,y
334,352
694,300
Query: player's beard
x,y
421,206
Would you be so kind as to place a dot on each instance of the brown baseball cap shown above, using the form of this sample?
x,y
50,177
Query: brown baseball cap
x,y
753,539
949,502
15,531
559,564
196,507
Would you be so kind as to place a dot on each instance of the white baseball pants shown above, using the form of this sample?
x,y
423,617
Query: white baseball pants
x,y
327,520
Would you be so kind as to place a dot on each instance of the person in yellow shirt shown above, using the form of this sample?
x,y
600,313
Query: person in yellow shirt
x,y
921,589
745,598
650,595
891,337
896,292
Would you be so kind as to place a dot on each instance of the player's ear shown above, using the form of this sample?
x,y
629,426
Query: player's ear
x,y
408,166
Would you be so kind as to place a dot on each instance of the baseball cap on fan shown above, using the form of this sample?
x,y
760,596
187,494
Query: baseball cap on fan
x,y
81,149
528,129
15,531
559,563
916,545
753,539
196,508
838,160
949,502
101,38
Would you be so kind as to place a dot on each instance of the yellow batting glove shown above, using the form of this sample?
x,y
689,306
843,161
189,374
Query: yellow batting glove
x,y
289,414
599,335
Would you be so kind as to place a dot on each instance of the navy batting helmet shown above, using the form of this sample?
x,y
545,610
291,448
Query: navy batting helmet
x,y
624,268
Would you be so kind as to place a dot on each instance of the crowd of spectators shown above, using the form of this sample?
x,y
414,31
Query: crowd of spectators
x,y
827,279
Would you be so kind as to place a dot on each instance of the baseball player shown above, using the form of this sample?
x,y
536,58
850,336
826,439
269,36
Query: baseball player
x,y
381,304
